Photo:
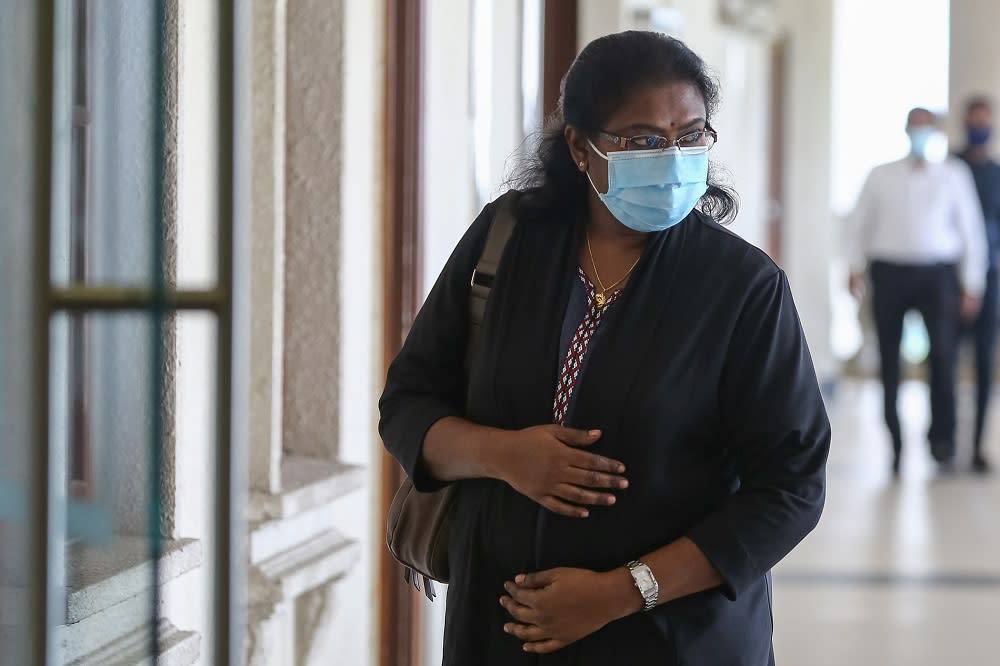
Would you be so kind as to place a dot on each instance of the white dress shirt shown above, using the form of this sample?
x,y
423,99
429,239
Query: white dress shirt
x,y
912,213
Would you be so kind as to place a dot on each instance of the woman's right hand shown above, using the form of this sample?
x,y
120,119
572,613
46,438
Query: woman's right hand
x,y
547,464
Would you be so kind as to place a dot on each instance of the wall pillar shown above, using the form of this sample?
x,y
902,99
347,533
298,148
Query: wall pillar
x,y
974,65
299,482
809,238
312,241
268,247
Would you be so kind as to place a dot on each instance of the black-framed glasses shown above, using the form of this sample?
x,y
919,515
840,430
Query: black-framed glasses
x,y
702,139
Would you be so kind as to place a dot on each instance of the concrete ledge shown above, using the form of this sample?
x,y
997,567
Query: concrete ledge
x,y
316,562
99,578
306,483
177,648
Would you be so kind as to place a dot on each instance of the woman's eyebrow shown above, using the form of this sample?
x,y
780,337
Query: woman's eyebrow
x,y
661,130
694,123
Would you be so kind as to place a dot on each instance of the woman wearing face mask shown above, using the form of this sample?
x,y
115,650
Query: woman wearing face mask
x,y
644,437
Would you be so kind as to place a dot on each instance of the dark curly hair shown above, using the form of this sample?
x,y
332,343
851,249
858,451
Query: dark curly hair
x,y
608,70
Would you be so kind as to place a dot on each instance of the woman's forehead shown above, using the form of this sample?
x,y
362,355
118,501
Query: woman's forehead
x,y
667,106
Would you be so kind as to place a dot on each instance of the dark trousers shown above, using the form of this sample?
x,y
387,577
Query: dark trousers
x,y
933,291
984,332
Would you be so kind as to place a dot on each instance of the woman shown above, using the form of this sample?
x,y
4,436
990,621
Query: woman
x,y
643,407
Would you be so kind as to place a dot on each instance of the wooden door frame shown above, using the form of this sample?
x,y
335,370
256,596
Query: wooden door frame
x,y
559,28
402,228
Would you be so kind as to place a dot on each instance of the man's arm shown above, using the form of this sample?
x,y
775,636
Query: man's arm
x,y
968,215
857,231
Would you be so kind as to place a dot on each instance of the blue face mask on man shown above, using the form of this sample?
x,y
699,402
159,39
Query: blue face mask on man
x,y
927,143
978,135
653,190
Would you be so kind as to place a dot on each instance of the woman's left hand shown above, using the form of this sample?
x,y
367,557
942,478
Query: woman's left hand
x,y
557,607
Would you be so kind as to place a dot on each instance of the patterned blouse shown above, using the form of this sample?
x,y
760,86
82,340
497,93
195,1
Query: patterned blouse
x,y
582,308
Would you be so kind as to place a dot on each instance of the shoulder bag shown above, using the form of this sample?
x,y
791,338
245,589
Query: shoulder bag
x,y
419,524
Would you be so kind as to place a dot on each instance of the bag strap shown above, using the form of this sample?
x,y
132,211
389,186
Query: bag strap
x,y
484,275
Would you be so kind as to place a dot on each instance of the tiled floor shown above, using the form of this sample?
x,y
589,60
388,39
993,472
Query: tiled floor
x,y
903,573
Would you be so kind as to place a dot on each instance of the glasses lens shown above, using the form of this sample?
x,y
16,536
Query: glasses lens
x,y
647,142
700,139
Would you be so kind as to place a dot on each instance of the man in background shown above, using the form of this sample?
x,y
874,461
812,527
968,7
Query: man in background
x,y
918,230
986,174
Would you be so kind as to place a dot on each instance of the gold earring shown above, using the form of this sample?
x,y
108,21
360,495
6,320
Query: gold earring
x,y
581,164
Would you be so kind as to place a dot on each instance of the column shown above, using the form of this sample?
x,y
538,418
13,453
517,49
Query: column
x,y
975,59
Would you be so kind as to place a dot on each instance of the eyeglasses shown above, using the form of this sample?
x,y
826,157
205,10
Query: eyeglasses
x,y
700,140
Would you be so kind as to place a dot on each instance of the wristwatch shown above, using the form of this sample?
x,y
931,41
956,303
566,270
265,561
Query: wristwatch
x,y
646,582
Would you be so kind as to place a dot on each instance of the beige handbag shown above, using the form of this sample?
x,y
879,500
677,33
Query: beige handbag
x,y
418,527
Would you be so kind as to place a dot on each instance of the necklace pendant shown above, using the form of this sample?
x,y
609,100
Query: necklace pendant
x,y
599,297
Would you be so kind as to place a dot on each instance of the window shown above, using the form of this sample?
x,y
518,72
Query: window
x,y
88,111
80,459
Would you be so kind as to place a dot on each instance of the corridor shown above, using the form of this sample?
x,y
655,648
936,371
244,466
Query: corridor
x,y
219,222
904,572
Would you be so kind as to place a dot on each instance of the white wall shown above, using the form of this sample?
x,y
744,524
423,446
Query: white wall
x,y
473,116
188,600
974,64
505,131
809,243
353,638
449,202
870,103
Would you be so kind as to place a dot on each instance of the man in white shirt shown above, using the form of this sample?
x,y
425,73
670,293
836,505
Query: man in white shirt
x,y
918,230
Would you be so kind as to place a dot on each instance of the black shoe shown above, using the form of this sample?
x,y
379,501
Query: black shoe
x,y
895,466
943,452
980,465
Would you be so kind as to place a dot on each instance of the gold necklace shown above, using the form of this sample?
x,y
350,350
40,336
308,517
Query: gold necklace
x,y
601,296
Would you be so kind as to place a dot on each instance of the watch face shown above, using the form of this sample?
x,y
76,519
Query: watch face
x,y
644,578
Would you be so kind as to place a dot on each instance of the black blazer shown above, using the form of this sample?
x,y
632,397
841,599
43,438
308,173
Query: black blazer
x,y
703,385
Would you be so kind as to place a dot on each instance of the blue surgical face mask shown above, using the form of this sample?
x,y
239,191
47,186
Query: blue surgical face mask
x,y
978,135
652,190
926,142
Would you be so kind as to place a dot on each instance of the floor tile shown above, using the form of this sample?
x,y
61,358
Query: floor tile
x,y
899,572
